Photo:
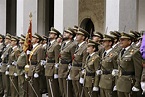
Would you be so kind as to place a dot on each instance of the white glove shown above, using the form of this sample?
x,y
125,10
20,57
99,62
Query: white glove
x,y
114,89
26,76
0,64
14,63
68,77
56,65
8,66
83,71
115,72
81,80
99,72
55,76
95,89
69,66
15,74
36,75
43,62
7,73
135,89
143,86
28,52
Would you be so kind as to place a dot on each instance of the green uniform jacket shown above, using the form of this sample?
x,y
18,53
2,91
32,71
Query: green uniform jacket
x,y
21,62
109,62
78,61
5,57
52,57
92,64
65,59
37,56
13,58
131,61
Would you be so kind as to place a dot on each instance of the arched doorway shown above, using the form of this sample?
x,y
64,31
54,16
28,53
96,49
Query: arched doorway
x,y
88,25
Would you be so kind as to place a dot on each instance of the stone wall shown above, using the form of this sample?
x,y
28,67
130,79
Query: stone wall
x,y
93,9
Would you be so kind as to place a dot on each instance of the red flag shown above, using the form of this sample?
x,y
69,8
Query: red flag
x,y
27,43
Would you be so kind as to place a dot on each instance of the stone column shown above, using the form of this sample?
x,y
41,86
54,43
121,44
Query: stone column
x,y
65,14
3,17
121,13
24,7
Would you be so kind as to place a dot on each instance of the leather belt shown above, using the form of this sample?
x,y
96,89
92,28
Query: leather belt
x,y
33,63
64,61
90,74
77,65
50,61
127,73
106,72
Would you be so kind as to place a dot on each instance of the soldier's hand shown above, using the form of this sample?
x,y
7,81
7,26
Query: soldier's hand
x,y
28,52
135,89
68,77
14,63
56,65
99,72
143,86
7,73
95,88
114,89
83,71
115,72
43,62
36,75
81,80
15,74
55,76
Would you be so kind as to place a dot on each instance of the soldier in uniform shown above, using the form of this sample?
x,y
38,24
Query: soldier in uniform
x,y
51,68
2,46
5,58
130,68
108,64
35,70
79,59
97,37
60,39
12,66
92,64
116,46
66,53
21,62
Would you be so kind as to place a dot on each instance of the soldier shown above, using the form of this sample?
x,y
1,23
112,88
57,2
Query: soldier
x,y
108,64
2,46
116,46
66,53
45,42
78,62
36,55
21,62
92,64
97,37
12,67
51,68
5,58
130,68
60,39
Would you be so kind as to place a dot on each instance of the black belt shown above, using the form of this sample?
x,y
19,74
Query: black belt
x,y
65,62
106,72
90,74
128,73
77,65
34,63
50,61
20,67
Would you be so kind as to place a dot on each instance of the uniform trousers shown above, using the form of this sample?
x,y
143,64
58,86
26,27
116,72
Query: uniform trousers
x,y
106,92
6,84
76,88
14,86
1,86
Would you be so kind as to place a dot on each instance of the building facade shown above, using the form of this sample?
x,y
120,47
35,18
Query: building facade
x,y
92,15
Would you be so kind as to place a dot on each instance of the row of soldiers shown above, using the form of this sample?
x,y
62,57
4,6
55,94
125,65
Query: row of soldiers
x,y
108,65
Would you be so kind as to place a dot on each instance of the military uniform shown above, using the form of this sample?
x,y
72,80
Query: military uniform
x,y
91,80
13,70
2,46
108,64
5,58
35,70
130,69
51,69
66,55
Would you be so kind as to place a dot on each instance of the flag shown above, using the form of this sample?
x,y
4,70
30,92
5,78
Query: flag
x,y
27,43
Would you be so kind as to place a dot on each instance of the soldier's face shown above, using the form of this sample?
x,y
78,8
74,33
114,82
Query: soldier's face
x,y
106,43
125,42
66,35
7,41
52,36
90,49
1,40
13,43
34,40
96,39
79,37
